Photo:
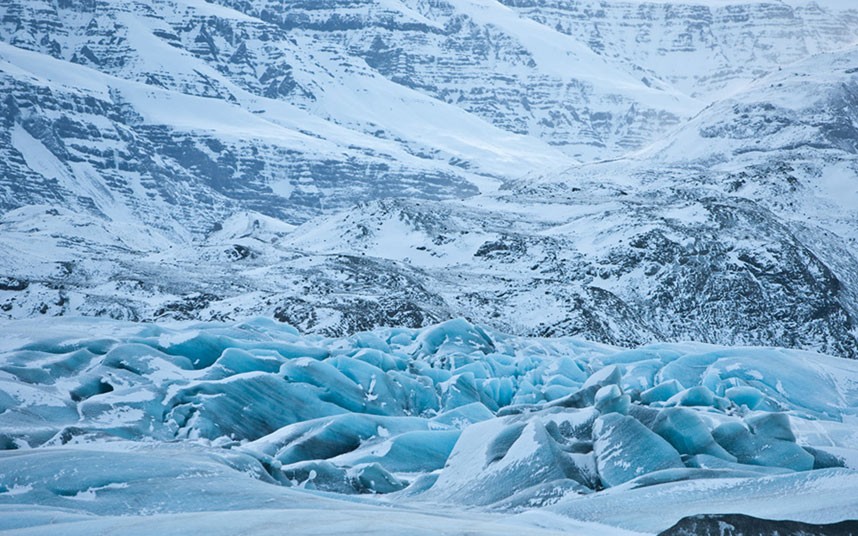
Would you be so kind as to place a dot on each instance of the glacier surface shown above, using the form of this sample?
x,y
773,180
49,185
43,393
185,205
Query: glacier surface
x,y
106,424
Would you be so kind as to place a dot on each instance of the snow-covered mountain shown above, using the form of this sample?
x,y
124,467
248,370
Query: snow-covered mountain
x,y
707,49
625,171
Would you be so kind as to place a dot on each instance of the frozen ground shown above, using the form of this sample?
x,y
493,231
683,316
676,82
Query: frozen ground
x,y
111,427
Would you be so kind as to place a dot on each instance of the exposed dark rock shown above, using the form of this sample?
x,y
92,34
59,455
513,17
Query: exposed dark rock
x,y
743,525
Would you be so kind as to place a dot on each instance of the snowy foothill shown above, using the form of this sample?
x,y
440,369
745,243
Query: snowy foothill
x,y
113,426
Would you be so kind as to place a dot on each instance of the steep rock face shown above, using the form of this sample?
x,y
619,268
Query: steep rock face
x,y
521,76
365,66
705,49
93,150
199,104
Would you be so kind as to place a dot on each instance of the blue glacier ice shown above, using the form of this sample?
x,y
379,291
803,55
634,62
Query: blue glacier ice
x,y
661,392
610,399
771,424
453,414
745,395
754,449
626,449
688,433
699,395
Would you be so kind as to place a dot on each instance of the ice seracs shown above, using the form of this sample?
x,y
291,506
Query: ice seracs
x,y
454,413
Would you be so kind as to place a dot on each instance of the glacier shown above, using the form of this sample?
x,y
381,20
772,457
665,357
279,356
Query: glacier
x,y
110,425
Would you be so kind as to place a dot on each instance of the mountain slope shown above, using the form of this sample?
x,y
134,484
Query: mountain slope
x,y
693,238
707,49
344,165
